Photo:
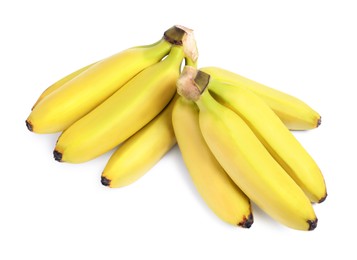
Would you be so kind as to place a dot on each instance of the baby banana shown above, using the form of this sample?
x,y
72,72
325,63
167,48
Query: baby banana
x,y
122,114
217,189
295,114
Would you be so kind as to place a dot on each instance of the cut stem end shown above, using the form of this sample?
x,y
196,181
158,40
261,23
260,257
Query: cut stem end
x,y
202,79
183,36
174,35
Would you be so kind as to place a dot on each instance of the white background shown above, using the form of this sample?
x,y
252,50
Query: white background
x,y
51,210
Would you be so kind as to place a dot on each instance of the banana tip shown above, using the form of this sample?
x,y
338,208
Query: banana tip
x,y
312,224
105,181
247,222
322,199
318,122
29,125
57,155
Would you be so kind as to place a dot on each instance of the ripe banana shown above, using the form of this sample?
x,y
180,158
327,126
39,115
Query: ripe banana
x,y
277,139
141,151
122,114
84,92
295,114
217,189
60,83
246,160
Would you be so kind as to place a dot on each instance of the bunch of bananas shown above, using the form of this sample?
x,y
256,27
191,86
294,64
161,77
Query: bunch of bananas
x,y
122,101
243,151
233,133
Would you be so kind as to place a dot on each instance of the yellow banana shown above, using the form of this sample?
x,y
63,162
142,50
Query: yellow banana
x,y
295,114
87,90
60,83
124,113
141,151
277,139
247,161
217,189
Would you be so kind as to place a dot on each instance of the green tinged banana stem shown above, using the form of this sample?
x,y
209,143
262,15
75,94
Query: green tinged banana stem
x,y
190,62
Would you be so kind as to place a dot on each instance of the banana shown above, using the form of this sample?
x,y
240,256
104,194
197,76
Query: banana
x,y
60,83
216,188
122,114
246,160
277,139
90,88
295,113
140,152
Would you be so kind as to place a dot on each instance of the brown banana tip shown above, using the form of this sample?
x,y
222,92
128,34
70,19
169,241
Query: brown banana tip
x,y
318,122
247,222
29,125
312,224
57,155
323,198
105,181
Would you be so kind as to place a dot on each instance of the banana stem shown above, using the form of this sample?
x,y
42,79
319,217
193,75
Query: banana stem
x,y
192,83
183,36
190,62
174,35
202,80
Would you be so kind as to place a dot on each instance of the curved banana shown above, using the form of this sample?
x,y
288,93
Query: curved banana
x,y
60,83
141,151
87,90
295,113
123,114
247,161
216,188
277,139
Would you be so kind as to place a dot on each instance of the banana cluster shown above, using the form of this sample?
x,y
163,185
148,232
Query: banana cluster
x,y
241,130
122,102
233,133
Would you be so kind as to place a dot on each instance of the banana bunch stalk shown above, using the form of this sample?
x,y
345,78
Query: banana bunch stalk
x,y
227,125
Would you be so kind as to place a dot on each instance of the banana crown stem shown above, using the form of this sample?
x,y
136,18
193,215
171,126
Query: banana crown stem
x,y
174,35
183,36
192,83
202,80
